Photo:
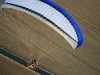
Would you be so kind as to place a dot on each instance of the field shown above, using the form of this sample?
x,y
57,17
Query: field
x,y
26,37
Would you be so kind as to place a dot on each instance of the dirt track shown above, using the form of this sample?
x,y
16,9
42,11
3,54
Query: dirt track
x,y
26,36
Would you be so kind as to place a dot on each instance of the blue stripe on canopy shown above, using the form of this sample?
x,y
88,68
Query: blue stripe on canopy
x,y
74,24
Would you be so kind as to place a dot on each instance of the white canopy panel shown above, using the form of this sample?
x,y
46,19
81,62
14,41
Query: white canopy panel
x,y
51,14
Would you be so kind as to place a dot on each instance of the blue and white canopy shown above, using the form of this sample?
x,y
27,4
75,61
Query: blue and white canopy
x,y
51,14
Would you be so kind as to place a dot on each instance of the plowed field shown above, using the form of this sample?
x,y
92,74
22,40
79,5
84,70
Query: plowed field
x,y
26,36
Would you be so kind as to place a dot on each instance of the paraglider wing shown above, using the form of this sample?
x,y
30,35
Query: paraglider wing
x,y
51,14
